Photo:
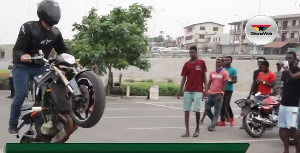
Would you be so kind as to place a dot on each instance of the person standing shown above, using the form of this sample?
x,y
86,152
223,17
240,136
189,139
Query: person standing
x,y
265,80
11,82
289,108
216,85
254,86
278,83
194,78
95,67
226,108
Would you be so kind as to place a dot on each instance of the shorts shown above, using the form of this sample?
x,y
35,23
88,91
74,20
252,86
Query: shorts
x,y
189,98
287,117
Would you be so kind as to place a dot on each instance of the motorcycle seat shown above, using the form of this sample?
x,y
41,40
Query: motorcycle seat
x,y
26,107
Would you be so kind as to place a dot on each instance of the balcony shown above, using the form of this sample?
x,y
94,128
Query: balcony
x,y
292,40
204,40
287,28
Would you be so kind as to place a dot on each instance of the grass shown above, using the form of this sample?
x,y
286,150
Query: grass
x,y
142,88
4,71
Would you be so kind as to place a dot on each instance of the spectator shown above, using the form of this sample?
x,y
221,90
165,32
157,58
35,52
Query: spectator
x,y
226,108
95,67
278,83
11,83
265,80
254,86
216,85
289,108
194,78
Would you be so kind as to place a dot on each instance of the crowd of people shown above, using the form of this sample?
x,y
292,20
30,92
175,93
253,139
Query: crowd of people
x,y
216,89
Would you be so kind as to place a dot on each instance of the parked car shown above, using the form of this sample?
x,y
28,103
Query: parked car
x,y
157,49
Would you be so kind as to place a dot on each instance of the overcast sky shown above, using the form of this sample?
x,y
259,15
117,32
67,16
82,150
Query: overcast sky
x,y
175,15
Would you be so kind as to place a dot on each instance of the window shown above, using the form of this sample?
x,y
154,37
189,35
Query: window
x,y
292,35
243,37
2,54
202,28
190,29
219,38
277,23
294,22
201,36
215,28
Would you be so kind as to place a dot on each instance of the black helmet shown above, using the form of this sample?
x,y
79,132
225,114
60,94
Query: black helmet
x,y
49,12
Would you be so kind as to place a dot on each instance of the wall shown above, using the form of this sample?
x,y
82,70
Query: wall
x,y
8,51
163,69
227,49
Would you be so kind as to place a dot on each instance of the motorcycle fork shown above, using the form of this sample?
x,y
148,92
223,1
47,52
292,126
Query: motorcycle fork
x,y
45,92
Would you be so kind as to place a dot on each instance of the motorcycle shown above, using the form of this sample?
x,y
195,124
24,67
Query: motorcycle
x,y
259,115
67,96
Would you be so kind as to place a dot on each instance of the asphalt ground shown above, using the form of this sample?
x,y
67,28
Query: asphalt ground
x,y
137,120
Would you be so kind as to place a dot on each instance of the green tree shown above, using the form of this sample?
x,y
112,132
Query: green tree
x,y
116,40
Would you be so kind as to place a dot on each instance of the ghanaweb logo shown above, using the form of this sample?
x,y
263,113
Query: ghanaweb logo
x,y
261,29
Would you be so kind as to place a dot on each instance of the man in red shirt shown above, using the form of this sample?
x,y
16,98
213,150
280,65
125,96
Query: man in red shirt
x,y
266,80
216,87
194,77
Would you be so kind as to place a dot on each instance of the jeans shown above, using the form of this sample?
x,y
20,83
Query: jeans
x,y
217,104
260,97
21,75
226,108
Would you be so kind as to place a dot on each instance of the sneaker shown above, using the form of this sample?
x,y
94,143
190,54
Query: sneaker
x,y
220,123
211,129
242,127
231,122
13,130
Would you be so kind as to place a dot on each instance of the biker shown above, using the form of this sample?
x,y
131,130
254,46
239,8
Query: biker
x,y
34,36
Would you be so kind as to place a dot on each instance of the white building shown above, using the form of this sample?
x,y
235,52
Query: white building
x,y
287,38
220,44
199,34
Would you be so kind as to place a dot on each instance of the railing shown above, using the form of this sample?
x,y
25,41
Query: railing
x,y
213,56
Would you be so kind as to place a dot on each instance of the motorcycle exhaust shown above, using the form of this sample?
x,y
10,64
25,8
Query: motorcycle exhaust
x,y
263,121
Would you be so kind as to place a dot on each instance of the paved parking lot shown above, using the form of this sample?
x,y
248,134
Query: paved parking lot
x,y
137,120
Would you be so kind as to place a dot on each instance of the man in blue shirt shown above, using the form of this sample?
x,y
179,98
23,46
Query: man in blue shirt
x,y
226,109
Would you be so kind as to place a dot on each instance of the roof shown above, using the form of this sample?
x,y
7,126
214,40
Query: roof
x,y
204,23
276,17
276,44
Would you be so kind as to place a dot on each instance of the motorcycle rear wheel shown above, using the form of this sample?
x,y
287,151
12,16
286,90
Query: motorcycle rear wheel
x,y
250,126
96,100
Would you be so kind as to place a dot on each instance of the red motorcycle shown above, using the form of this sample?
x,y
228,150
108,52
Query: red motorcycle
x,y
259,115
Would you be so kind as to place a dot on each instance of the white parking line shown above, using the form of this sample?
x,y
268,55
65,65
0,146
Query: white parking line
x,y
239,141
160,105
161,128
134,117
129,109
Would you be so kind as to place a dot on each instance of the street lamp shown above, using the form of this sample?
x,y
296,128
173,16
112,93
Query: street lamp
x,y
154,18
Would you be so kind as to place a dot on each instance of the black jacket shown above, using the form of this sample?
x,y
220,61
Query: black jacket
x,y
34,37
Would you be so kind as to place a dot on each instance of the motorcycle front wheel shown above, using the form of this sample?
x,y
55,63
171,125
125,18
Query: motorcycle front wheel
x,y
90,111
253,129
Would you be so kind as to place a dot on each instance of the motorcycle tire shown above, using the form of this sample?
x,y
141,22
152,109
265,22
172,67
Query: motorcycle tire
x,y
99,101
247,128
291,140
26,139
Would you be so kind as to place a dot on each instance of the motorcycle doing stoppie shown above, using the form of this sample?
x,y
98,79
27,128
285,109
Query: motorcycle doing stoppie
x,y
67,96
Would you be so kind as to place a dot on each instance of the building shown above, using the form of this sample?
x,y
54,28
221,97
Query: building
x,y
220,44
5,55
199,34
6,52
287,37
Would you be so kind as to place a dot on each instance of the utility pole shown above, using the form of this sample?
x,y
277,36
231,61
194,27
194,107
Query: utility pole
x,y
259,1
